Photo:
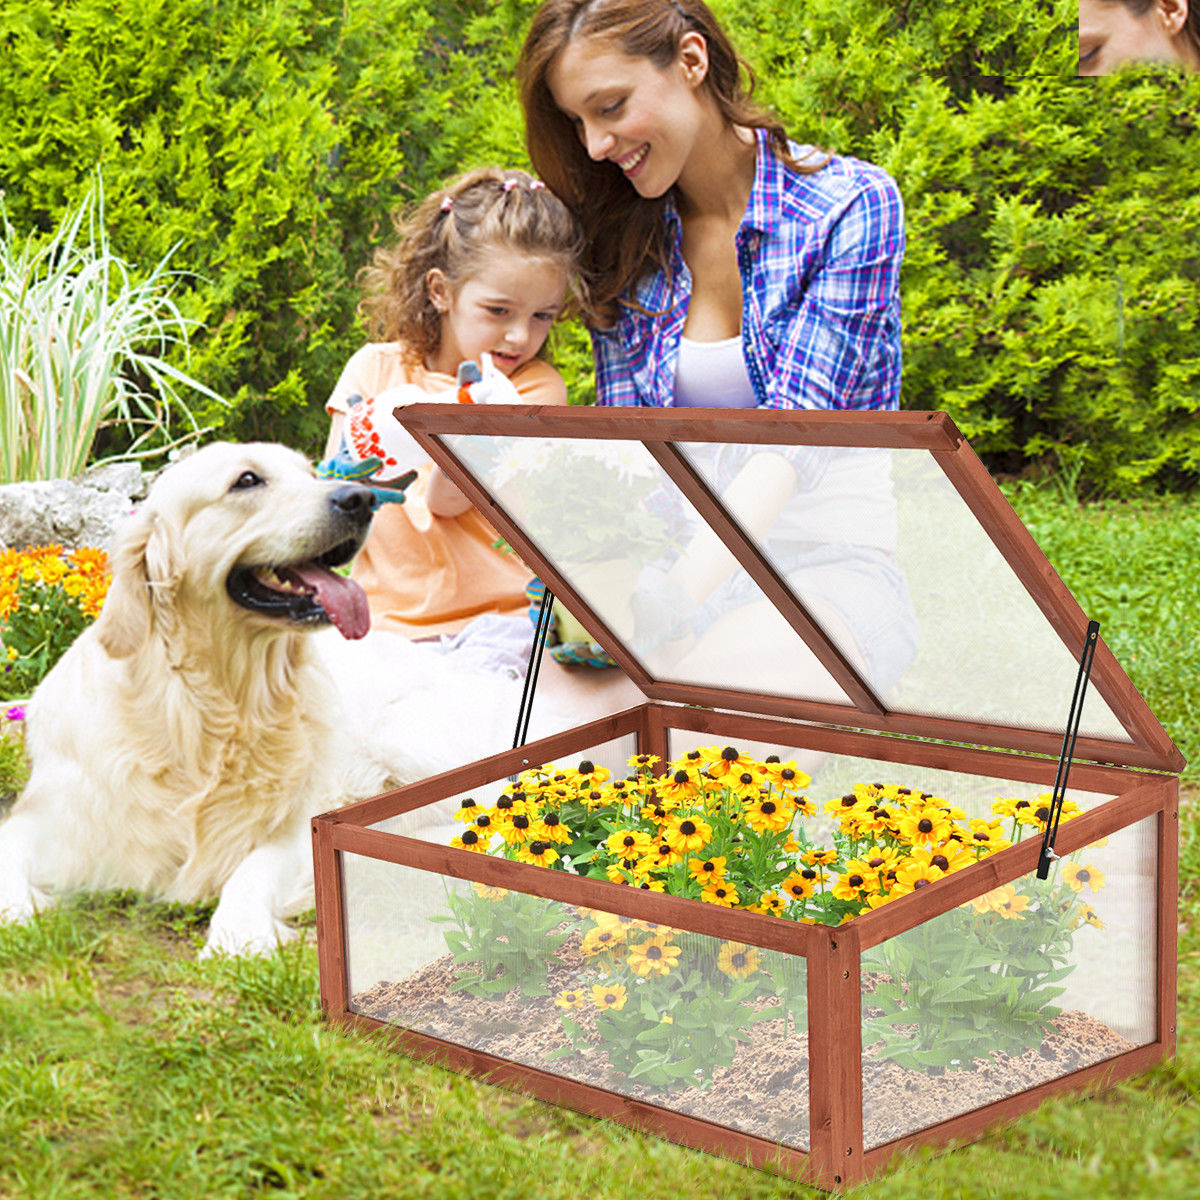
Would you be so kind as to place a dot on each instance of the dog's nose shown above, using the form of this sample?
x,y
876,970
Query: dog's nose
x,y
354,500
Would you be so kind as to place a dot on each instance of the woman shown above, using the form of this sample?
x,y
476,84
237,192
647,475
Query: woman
x,y
728,267
1113,32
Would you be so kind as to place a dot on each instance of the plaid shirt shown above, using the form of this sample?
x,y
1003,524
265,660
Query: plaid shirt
x,y
819,257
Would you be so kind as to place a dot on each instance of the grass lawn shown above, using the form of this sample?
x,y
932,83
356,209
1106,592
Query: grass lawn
x,y
127,1069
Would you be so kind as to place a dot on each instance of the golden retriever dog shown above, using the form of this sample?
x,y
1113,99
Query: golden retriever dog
x,y
181,743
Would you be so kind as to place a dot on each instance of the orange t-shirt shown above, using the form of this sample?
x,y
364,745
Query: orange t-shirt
x,y
426,575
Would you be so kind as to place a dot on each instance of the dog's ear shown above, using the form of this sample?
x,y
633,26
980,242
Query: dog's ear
x,y
142,580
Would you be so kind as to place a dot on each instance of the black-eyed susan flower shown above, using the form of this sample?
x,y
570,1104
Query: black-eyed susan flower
x,y
728,760
985,837
947,858
770,904
912,876
468,810
855,880
550,827
586,776
541,854
664,855
629,844
687,834
470,840
680,787
1087,916
609,995
707,869
745,785
1079,876
924,827
721,892
516,829
601,938
487,892
571,998
819,856
769,814
655,957
797,887
785,775
643,764
737,960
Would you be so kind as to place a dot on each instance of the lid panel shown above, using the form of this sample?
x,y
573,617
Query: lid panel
x,y
889,559
607,517
848,568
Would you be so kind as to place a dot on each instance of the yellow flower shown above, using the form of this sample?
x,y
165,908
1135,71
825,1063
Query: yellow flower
x,y
726,760
550,828
586,777
720,892
707,869
1087,915
571,998
486,892
468,810
856,879
924,826
470,840
601,938
611,995
655,957
1086,876
662,856
685,833
769,814
770,904
629,844
986,836
800,885
517,829
1003,900
643,764
745,785
681,787
913,876
541,854
785,775
737,960
817,857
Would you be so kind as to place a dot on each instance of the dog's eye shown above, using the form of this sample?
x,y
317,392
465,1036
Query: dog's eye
x,y
247,479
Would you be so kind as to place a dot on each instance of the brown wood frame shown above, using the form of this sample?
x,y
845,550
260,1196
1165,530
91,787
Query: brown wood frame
x,y
659,429
836,1157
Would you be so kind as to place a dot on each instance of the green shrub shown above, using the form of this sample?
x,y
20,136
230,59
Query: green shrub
x,y
1049,287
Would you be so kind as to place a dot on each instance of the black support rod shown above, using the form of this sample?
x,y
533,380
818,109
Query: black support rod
x,y
1068,750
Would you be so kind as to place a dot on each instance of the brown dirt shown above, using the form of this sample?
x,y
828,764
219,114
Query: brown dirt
x,y
765,1090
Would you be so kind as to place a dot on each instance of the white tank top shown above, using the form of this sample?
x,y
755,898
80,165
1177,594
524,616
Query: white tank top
x,y
713,375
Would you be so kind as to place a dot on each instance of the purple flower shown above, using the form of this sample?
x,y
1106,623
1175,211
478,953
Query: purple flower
x,y
16,713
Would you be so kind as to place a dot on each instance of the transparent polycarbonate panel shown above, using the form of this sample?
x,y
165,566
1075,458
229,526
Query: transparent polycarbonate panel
x,y
435,822
896,569
702,1026
1026,984
612,522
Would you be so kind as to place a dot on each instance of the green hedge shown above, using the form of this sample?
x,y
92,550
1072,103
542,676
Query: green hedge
x,y
1052,273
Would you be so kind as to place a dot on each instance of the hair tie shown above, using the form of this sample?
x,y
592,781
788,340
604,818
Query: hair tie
x,y
536,185
447,203
508,185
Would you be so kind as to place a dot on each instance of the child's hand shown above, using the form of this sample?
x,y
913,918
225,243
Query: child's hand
x,y
485,384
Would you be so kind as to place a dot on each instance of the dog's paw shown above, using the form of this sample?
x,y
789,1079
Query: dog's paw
x,y
243,937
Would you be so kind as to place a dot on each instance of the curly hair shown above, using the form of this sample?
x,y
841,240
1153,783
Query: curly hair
x,y
453,230
624,234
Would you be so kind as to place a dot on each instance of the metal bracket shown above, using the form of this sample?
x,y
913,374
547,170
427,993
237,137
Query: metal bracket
x,y
541,631
1068,750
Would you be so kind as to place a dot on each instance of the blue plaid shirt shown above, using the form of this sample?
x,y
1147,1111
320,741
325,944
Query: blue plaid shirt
x,y
819,256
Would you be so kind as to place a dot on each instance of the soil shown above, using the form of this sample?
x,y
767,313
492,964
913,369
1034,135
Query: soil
x,y
765,1090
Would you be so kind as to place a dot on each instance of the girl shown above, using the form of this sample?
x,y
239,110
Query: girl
x,y
726,266
482,266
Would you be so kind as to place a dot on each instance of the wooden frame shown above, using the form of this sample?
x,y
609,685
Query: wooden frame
x,y
864,727
836,1157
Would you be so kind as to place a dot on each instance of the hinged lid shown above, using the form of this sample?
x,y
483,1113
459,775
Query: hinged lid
x,y
859,569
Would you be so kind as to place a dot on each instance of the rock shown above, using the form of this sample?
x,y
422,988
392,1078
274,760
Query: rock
x,y
80,512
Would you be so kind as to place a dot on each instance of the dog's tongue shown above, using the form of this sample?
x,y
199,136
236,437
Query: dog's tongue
x,y
344,602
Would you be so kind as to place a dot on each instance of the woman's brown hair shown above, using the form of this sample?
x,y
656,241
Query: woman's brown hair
x,y
452,230
624,233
